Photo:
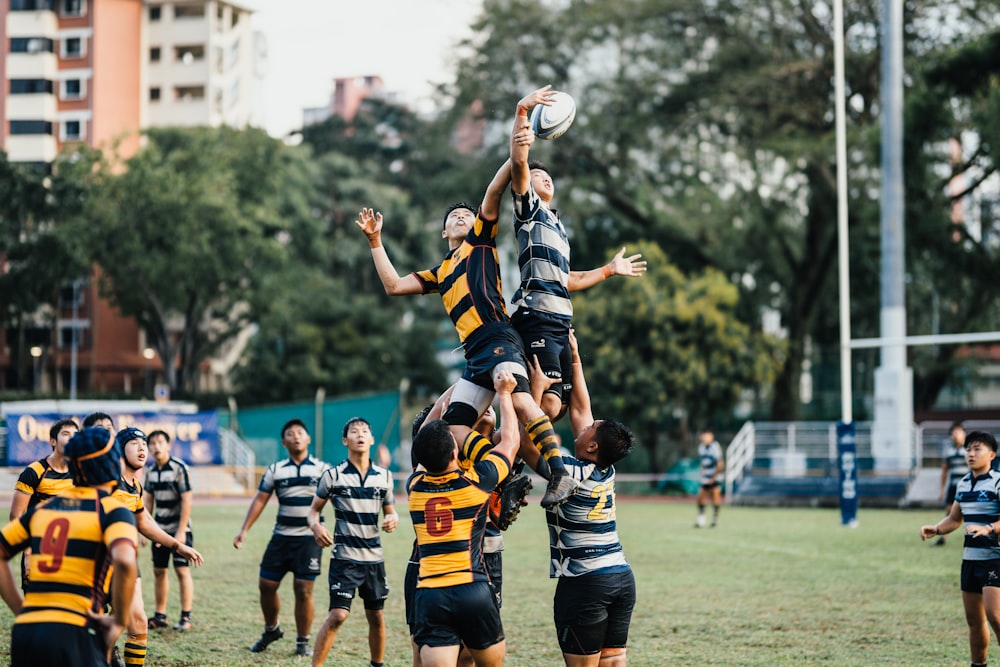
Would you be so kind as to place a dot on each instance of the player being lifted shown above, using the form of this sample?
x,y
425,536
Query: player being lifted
x,y
544,310
468,280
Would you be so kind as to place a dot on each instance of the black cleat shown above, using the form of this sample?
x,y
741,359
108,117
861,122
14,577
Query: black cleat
x,y
302,649
559,489
512,498
266,640
116,658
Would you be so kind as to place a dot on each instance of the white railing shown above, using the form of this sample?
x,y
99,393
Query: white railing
x,y
239,457
739,457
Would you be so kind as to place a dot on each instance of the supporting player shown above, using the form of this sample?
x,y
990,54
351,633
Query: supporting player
x,y
977,502
596,592
132,444
468,280
60,619
454,603
42,480
358,489
543,308
168,496
292,547
712,468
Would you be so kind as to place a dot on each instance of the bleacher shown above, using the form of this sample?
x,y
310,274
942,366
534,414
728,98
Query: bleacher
x,y
796,464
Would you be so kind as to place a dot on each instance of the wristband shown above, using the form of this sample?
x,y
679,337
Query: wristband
x,y
521,111
606,271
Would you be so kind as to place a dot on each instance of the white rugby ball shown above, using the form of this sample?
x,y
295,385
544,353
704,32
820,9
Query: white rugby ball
x,y
549,122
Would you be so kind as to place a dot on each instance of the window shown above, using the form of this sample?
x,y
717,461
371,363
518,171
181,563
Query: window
x,y
155,11
31,45
189,11
72,47
72,130
30,127
31,5
154,54
189,54
72,7
72,89
30,86
187,93
154,94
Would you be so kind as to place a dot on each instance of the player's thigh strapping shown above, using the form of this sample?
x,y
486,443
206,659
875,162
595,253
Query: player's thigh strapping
x,y
499,348
593,611
454,615
298,555
368,579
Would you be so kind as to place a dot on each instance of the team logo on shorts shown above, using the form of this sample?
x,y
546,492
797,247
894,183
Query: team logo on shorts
x,y
538,343
314,563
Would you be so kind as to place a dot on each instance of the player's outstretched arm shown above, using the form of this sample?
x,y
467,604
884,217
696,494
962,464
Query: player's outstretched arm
x,y
581,416
522,137
494,191
632,266
149,529
370,222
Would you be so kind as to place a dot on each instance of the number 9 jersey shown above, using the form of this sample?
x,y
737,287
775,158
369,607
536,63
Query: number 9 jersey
x,y
70,536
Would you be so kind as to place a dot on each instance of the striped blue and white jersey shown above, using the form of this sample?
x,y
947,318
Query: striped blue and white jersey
x,y
954,458
295,485
167,483
543,257
357,500
583,534
980,504
710,455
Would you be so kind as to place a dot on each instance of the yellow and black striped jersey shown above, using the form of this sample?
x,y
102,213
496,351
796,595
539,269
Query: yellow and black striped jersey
x,y
129,495
468,280
449,514
71,536
40,481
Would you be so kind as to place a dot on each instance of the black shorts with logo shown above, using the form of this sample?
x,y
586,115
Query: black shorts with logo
x,y
298,555
977,574
450,616
594,611
548,339
368,579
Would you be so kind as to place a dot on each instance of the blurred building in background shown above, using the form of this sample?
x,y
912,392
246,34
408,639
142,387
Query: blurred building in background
x,y
94,73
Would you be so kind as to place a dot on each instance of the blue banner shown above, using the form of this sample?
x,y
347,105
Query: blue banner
x,y
194,437
847,459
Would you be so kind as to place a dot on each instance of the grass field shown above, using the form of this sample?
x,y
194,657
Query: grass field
x,y
767,587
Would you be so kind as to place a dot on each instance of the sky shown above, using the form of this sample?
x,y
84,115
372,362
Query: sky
x,y
409,43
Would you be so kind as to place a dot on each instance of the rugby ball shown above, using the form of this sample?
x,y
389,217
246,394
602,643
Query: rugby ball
x,y
549,122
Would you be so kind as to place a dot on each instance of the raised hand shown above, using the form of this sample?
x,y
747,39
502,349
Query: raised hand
x,y
630,267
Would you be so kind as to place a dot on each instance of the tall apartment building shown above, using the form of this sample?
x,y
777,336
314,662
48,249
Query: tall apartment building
x,y
95,72
346,97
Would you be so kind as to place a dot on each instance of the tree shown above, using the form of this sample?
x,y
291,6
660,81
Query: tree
x,y
184,231
668,345
708,128
38,261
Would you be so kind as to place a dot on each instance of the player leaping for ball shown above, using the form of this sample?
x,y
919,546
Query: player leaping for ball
x,y
468,280
544,311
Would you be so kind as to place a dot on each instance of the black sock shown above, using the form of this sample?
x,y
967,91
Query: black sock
x,y
184,615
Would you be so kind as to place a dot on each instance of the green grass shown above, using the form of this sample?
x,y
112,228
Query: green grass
x,y
767,587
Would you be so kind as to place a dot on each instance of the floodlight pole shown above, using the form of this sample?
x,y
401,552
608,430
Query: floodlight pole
x,y
891,432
